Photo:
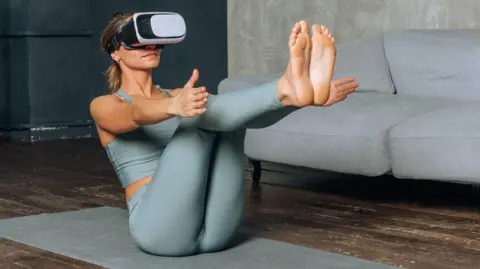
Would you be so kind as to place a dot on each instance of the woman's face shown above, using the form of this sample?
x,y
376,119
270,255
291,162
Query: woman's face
x,y
145,58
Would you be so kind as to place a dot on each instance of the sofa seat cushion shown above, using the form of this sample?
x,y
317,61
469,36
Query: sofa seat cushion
x,y
440,145
349,137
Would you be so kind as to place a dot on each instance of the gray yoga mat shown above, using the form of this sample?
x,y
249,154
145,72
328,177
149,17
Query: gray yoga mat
x,y
100,236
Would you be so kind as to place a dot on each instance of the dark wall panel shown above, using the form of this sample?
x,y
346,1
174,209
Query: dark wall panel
x,y
18,101
33,17
60,81
4,79
4,61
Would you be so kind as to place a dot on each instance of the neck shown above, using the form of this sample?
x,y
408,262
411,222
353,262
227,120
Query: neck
x,y
137,82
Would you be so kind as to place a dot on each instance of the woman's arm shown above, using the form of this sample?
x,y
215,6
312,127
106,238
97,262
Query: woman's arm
x,y
115,115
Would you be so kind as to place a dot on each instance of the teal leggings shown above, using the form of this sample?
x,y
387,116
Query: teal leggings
x,y
194,202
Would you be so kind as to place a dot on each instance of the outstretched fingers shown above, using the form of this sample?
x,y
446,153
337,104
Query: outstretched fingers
x,y
197,99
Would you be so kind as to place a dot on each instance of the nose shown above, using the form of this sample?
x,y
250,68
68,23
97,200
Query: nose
x,y
150,47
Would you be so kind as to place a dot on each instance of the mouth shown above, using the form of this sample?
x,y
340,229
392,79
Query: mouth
x,y
150,54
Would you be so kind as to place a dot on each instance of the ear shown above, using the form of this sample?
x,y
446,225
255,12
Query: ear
x,y
115,56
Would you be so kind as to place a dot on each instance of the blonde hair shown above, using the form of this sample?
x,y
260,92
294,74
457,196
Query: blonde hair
x,y
113,73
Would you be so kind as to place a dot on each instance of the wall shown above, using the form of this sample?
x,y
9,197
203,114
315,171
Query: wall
x,y
51,65
258,29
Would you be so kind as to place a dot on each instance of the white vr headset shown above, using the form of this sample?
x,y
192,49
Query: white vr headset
x,y
150,28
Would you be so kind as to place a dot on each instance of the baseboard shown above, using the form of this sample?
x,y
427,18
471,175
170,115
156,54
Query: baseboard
x,y
31,133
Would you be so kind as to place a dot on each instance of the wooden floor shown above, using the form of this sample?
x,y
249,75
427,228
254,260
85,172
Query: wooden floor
x,y
407,223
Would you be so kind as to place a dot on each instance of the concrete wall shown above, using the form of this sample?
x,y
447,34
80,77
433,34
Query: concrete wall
x,y
258,29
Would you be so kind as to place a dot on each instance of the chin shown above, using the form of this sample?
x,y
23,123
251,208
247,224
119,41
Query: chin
x,y
150,65
153,63
153,66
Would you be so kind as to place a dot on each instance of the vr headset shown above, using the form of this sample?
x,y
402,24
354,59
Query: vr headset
x,y
150,28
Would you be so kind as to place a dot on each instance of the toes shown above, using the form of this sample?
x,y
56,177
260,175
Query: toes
x,y
296,28
317,29
326,32
322,30
294,34
304,27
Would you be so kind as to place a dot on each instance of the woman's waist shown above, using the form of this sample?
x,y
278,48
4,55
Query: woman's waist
x,y
134,187
135,192
130,168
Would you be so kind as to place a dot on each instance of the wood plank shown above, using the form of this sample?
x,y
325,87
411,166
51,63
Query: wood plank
x,y
14,208
26,256
347,228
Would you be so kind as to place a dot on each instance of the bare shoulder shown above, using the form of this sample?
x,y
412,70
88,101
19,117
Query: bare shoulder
x,y
105,100
113,114
104,103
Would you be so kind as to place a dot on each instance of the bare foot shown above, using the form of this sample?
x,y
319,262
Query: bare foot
x,y
322,63
295,87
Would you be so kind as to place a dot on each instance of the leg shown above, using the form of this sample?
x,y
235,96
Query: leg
x,y
231,111
225,194
255,169
168,219
295,89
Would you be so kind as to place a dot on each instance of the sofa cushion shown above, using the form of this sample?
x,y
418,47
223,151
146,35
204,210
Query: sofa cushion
x,y
364,59
440,145
441,63
349,137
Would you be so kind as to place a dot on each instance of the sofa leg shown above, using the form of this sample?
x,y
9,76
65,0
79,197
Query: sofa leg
x,y
476,189
255,169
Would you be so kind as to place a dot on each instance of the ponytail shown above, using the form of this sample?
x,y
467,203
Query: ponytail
x,y
114,77
114,73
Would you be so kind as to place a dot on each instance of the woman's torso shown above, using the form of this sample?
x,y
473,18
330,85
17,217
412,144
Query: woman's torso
x,y
134,155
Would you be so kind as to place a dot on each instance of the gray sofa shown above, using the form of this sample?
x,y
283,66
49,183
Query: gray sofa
x,y
416,114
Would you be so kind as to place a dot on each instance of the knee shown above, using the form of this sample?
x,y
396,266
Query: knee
x,y
151,244
215,243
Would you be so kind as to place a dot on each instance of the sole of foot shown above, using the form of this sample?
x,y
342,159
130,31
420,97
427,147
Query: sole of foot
x,y
295,87
322,63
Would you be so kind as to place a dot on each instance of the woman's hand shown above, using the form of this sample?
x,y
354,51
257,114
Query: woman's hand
x,y
189,101
340,89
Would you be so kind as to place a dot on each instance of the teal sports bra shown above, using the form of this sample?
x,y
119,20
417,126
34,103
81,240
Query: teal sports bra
x,y
134,155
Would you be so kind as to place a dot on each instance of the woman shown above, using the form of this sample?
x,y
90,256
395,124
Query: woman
x,y
179,153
